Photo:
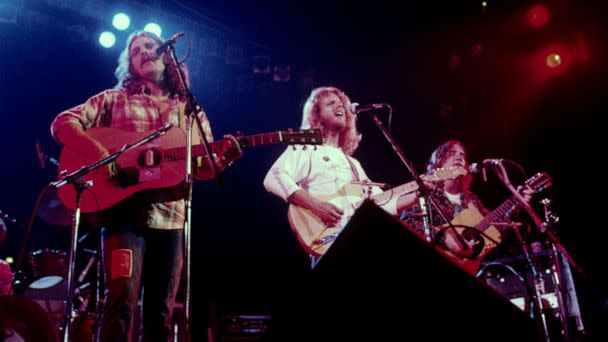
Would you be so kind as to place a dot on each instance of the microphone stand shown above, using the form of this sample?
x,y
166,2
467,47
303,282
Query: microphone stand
x,y
556,249
80,185
422,188
537,300
542,227
191,106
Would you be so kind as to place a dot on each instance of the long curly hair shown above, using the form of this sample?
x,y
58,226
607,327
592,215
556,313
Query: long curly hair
x,y
349,137
439,156
127,79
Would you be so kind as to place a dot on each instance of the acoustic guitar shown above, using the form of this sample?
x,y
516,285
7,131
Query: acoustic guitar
x,y
316,238
480,233
158,164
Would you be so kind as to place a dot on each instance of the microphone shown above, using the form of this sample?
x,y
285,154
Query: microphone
x,y
163,47
474,168
41,157
357,108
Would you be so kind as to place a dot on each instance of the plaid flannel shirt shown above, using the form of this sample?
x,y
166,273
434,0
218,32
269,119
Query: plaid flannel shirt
x,y
136,112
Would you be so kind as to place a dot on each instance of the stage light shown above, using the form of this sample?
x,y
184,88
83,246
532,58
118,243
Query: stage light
x,y
553,60
154,28
538,16
9,260
107,39
121,21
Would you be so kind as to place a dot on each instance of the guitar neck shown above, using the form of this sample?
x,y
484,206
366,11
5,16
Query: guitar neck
x,y
178,153
497,214
396,191
439,175
261,139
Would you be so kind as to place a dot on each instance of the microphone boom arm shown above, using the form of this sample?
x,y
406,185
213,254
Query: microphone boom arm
x,y
421,186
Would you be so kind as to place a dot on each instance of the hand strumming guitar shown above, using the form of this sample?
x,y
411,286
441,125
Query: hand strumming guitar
x,y
76,138
328,213
225,152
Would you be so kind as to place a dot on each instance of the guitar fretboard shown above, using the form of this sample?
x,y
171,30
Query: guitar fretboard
x,y
538,182
497,215
397,191
440,174
261,139
178,153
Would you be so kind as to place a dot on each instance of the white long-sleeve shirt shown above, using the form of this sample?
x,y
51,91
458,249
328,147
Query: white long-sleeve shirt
x,y
322,170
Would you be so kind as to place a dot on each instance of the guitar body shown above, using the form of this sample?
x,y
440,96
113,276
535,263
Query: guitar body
x,y
141,168
310,230
481,243
312,234
478,231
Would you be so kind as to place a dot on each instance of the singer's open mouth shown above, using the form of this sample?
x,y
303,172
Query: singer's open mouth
x,y
148,59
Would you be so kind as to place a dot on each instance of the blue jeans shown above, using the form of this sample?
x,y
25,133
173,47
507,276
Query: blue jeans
x,y
135,256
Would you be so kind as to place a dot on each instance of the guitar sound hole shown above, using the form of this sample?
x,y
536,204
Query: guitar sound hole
x,y
151,157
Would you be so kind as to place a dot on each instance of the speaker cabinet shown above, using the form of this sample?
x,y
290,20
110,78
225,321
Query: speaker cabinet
x,y
381,280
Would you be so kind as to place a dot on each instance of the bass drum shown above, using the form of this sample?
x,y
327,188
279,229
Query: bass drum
x,y
22,319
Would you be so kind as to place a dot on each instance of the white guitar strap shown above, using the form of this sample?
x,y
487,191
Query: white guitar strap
x,y
352,166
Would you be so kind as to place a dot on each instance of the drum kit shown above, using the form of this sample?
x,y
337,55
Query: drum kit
x,y
42,286
41,283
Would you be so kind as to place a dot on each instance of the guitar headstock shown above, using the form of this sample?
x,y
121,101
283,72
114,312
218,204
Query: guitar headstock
x,y
445,173
539,182
302,137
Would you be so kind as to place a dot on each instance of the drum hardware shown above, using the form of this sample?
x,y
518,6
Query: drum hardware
x,y
540,281
44,281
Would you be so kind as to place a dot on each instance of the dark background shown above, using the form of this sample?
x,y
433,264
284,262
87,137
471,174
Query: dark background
x,y
449,71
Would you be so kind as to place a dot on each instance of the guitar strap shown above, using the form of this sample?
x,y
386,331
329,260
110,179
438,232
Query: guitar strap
x,y
352,166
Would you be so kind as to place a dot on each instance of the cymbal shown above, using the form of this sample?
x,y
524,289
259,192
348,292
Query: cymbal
x,y
52,210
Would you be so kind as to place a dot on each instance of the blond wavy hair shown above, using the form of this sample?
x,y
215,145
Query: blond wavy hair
x,y
349,137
